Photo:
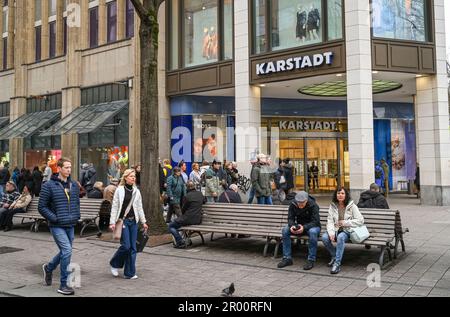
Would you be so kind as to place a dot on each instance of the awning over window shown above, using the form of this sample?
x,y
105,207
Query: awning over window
x,y
86,119
28,124
3,121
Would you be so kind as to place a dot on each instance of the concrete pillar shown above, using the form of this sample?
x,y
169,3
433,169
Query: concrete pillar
x,y
84,28
135,108
45,30
11,23
121,20
59,27
165,124
31,43
248,98
19,102
359,96
101,22
432,115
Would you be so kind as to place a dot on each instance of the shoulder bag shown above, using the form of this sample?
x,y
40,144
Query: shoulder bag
x,y
117,234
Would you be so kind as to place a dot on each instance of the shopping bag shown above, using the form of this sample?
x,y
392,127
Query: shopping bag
x,y
142,239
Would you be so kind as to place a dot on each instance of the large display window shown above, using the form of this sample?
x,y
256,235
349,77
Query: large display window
x,y
284,24
399,19
206,28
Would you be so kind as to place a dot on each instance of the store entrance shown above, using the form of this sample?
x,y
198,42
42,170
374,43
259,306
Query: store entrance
x,y
320,164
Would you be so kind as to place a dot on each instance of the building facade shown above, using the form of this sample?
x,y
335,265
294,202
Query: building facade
x,y
334,85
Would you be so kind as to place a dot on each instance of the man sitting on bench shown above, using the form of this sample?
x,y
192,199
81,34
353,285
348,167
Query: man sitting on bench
x,y
303,218
191,214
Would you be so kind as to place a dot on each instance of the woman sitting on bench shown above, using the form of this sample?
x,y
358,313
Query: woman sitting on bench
x,y
18,206
342,215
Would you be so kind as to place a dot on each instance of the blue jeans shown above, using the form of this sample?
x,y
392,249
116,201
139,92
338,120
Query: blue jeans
x,y
251,195
173,228
265,200
64,239
126,255
211,199
338,250
313,234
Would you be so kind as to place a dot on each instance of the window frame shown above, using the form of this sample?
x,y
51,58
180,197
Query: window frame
x,y
181,36
428,24
268,29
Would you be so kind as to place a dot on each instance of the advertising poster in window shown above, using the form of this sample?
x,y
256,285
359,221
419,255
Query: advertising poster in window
x,y
206,140
398,148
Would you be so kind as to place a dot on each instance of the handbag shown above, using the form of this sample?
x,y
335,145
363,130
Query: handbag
x,y
117,234
282,179
141,241
359,234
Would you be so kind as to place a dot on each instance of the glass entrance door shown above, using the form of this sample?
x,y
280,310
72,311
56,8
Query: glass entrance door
x,y
295,150
322,164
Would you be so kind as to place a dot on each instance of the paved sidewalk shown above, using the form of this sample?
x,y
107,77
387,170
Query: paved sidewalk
x,y
206,270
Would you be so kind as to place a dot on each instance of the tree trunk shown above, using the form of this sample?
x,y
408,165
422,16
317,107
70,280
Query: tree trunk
x,y
148,35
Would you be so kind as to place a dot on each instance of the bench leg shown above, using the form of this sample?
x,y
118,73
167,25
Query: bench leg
x,y
90,223
266,247
36,225
212,236
277,246
381,259
201,236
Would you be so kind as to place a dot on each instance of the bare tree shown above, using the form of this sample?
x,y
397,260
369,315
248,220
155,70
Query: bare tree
x,y
147,10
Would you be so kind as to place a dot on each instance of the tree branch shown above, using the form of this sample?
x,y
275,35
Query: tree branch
x,y
141,11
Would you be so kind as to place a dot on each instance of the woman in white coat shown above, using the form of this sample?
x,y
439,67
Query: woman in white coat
x,y
127,206
343,215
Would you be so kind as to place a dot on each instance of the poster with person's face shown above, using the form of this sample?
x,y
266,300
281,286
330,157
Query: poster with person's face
x,y
205,141
398,153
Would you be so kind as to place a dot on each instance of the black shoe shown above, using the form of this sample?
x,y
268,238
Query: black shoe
x,y
181,245
66,290
309,265
368,247
7,229
335,269
330,264
285,262
47,275
2,227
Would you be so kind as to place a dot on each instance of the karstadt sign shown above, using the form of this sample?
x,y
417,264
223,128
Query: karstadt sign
x,y
294,63
306,125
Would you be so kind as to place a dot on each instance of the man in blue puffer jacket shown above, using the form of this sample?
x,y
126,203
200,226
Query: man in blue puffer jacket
x,y
59,203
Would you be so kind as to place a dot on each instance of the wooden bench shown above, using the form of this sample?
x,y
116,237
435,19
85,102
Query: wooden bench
x,y
254,220
89,210
268,221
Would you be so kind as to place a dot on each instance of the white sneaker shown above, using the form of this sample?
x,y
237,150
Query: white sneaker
x,y
132,278
114,272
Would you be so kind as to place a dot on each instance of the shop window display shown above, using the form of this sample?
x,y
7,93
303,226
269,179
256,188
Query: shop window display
x,y
201,32
39,157
209,136
109,162
399,19
295,24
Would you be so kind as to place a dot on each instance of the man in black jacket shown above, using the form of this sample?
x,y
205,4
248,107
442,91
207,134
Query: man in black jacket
x,y
373,198
191,214
303,218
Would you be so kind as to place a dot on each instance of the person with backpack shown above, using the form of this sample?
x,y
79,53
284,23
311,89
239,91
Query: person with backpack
x,y
176,190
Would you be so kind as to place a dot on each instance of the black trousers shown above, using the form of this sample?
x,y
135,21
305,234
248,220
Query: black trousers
x,y
7,217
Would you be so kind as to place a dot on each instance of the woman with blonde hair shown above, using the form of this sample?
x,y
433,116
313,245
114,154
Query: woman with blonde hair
x,y
127,212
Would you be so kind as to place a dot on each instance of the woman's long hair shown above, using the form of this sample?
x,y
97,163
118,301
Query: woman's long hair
x,y
125,175
347,196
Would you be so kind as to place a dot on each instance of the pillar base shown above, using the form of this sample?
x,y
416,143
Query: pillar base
x,y
435,195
